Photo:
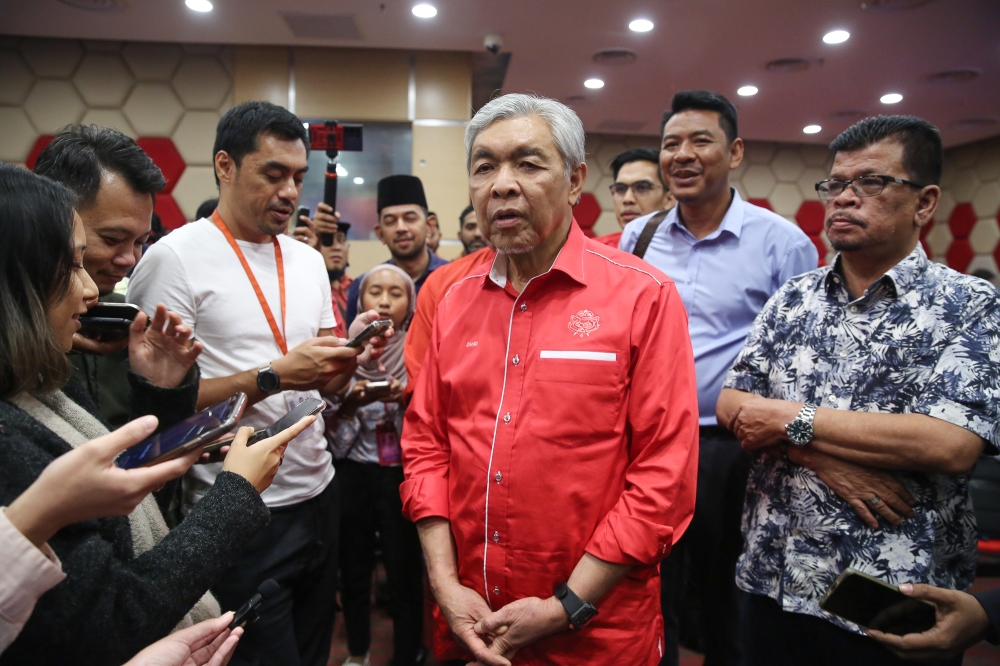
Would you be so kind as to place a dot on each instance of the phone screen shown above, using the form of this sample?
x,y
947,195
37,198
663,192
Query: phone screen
x,y
205,425
303,409
874,604
377,327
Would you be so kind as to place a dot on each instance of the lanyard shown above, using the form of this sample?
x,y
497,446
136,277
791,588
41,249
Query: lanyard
x,y
278,335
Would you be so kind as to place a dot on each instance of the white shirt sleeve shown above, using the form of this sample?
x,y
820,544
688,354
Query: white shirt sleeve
x,y
326,318
160,277
26,573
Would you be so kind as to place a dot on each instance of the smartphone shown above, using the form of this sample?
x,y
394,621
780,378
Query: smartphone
x,y
107,322
378,389
303,210
875,604
305,408
371,330
190,433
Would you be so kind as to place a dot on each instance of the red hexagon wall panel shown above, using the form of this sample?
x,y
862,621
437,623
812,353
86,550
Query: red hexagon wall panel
x,y
169,212
164,154
586,213
36,149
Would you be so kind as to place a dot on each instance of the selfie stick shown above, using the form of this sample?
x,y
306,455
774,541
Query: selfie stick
x,y
333,137
248,611
330,188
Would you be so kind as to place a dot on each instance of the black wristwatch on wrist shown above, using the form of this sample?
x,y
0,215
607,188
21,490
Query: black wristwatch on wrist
x,y
580,612
268,380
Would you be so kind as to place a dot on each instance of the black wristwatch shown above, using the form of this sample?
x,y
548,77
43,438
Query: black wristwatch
x,y
268,380
580,612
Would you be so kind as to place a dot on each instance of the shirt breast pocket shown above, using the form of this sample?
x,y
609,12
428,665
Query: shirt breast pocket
x,y
580,395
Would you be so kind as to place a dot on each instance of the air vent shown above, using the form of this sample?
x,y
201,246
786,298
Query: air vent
x,y
785,65
621,126
953,76
615,57
850,114
893,5
322,26
976,122
576,101
97,5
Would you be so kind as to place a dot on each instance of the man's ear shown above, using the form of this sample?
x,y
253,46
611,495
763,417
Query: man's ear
x,y
927,205
577,179
378,232
225,167
735,153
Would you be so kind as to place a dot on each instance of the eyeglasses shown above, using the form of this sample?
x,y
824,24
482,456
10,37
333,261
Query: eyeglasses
x,y
865,186
640,188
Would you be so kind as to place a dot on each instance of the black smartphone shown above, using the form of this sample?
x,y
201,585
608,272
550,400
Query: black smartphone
x,y
378,389
875,604
190,433
303,211
305,408
107,322
377,327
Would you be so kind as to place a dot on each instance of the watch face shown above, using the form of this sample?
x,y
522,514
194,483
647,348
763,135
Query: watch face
x,y
583,616
799,432
268,381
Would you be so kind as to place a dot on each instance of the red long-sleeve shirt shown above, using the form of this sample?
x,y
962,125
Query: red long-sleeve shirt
x,y
559,421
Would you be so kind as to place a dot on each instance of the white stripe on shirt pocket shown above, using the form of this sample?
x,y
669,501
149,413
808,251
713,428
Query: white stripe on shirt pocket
x,y
579,355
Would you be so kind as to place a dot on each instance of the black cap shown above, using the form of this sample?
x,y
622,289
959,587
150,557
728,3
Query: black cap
x,y
400,190
343,226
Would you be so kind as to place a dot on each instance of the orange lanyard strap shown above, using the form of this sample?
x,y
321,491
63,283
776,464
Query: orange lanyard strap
x,y
278,336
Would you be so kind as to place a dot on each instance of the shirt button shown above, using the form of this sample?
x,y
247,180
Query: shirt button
x,y
831,398
496,590
506,417
516,359
496,537
524,307
499,477
843,353
853,308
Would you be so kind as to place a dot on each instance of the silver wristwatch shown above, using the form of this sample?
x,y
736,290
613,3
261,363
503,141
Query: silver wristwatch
x,y
800,430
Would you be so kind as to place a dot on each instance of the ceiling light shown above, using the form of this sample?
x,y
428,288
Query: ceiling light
x,y
341,171
359,181
640,25
811,129
891,98
594,84
424,11
836,37
199,5
747,91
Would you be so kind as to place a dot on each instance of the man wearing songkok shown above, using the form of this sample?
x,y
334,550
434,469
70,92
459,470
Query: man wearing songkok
x,y
866,391
550,447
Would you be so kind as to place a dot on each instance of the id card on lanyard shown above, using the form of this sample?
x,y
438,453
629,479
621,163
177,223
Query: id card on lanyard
x,y
279,335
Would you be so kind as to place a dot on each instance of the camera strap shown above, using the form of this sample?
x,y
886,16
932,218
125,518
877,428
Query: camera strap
x,y
278,334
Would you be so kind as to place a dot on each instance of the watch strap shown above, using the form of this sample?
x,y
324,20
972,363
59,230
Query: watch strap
x,y
580,612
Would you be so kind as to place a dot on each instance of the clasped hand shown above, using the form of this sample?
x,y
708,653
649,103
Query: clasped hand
x,y
760,422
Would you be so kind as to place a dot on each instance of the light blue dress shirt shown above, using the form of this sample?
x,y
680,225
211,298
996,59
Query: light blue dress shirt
x,y
724,280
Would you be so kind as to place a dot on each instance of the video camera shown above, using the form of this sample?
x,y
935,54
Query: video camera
x,y
333,137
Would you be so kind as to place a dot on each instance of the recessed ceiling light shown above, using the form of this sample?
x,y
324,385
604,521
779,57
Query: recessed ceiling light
x,y
812,129
836,37
341,171
199,5
594,84
891,98
359,181
640,25
424,11
747,91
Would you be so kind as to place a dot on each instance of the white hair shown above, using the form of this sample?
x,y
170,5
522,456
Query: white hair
x,y
565,125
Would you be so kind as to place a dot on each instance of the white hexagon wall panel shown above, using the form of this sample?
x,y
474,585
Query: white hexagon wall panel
x,y
758,181
109,118
201,82
55,58
196,184
195,136
18,135
152,62
103,80
53,104
15,80
153,109
787,165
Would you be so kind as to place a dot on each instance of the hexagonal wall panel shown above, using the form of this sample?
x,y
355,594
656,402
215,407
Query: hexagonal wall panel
x,y
762,203
606,224
816,156
786,199
985,262
109,118
946,204
196,184
988,162
17,135
807,182
37,149
959,254
787,165
606,154
101,46
586,212
938,238
758,181
195,136
985,236
153,109
962,220
603,194
164,155
201,82
810,217
987,200
964,185
56,58
53,104
103,79
16,80
152,62
759,152
170,215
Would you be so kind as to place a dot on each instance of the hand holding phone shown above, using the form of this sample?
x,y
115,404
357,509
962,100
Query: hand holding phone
x,y
377,327
875,604
108,322
259,464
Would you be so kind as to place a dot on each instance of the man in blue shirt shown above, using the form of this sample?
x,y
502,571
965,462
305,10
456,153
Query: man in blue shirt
x,y
727,257
402,226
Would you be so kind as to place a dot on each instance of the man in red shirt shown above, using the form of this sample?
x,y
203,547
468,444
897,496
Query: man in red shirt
x,y
550,447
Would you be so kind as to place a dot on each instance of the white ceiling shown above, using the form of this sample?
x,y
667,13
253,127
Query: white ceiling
x,y
715,44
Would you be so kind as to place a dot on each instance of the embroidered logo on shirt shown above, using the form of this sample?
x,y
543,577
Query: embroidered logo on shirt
x,y
583,323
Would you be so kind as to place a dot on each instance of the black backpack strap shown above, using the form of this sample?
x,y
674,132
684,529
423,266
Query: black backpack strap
x,y
646,235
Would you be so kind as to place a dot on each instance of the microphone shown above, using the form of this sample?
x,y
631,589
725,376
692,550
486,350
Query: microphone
x,y
248,611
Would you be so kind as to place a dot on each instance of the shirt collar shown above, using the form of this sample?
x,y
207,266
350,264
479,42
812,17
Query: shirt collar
x,y
732,222
435,262
899,278
568,261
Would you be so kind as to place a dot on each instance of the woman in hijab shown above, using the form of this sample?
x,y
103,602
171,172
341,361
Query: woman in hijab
x,y
364,430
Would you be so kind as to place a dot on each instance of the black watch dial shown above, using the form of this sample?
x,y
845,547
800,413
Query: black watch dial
x,y
268,380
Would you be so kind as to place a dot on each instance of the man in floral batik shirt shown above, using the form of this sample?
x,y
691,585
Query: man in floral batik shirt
x,y
866,391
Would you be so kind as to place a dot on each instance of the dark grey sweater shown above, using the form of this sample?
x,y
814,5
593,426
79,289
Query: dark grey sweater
x,y
112,604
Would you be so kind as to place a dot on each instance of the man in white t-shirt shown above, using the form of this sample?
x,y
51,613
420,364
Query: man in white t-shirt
x,y
260,304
